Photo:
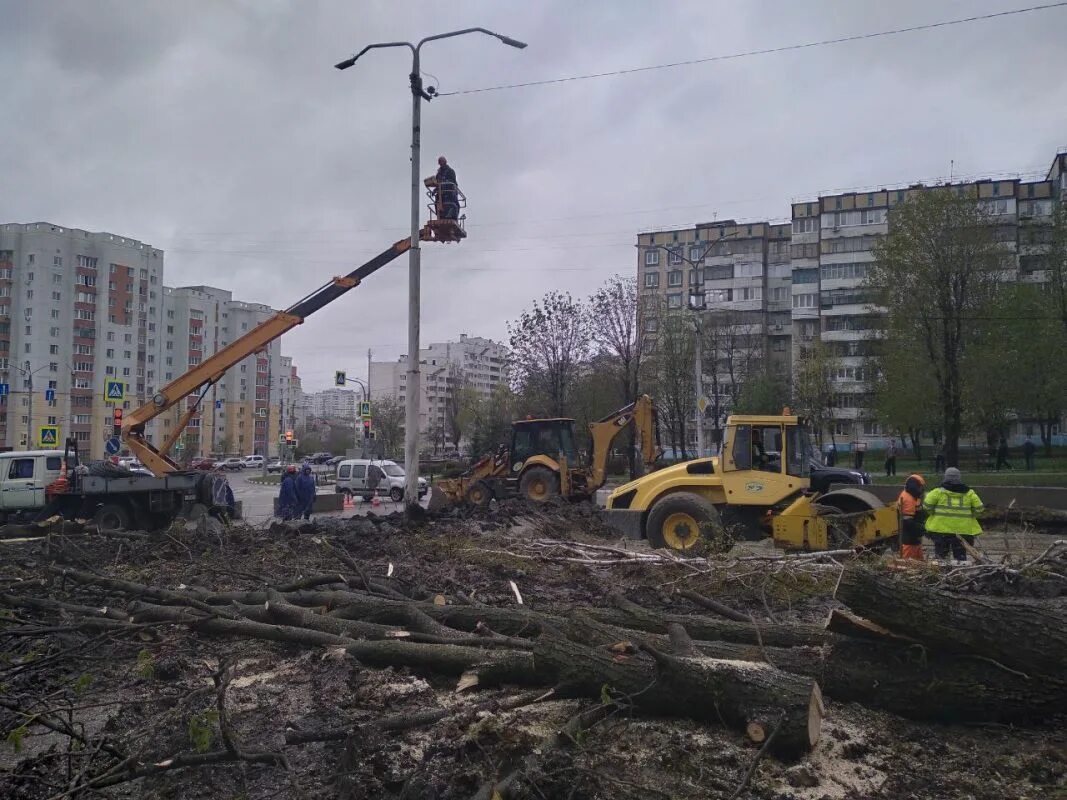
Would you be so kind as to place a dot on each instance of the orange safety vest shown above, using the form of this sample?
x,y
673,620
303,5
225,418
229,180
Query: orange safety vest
x,y
909,506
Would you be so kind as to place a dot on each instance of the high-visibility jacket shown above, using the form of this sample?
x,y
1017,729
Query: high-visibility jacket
x,y
953,512
909,506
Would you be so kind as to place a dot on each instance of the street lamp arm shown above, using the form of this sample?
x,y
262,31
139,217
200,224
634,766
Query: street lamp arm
x,y
505,39
348,62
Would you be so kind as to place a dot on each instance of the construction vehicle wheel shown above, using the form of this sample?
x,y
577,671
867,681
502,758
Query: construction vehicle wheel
x,y
479,494
539,484
112,517
682,521
838,507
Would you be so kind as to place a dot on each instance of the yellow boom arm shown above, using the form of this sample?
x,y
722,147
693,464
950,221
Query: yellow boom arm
x,y
202,377
642,413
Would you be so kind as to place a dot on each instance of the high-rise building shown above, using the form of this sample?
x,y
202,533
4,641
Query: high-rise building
x,y
334,403
79,310
473,361
794,284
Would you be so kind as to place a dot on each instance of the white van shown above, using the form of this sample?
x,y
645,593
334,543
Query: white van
x,y
254,462
23,478
352,479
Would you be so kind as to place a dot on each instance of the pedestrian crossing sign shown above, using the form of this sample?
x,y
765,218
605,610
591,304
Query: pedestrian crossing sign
x,y
114,391
48,436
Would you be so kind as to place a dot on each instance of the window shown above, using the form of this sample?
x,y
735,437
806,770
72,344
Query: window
x,y
126,372
29,277
20,469
779,345
750,293
719,273
674,301
779,294
652,258
674,278
849,270
696,253
805,225
674,257
804,300
849,244
651,280
53,349
719,295
127,354
805,276
804,250
651,325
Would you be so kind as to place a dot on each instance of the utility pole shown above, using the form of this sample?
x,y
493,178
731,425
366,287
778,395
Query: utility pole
x,y
698,368
418,94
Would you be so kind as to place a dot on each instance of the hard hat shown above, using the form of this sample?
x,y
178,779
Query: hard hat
x,y
291,468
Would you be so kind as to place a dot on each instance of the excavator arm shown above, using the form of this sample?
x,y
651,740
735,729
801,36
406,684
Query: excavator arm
x,y
642,414
198,380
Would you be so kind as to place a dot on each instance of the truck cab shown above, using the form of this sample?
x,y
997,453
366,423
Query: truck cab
x,y
23,478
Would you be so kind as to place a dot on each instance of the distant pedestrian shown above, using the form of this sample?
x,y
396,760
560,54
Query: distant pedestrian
x,y
305,493
1029,451
952,511
831,455
910,504
287,497
1002,454
939,459
890,458
857,458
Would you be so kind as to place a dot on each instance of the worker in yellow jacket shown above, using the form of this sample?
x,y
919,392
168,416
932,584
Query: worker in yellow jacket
x,y
952,511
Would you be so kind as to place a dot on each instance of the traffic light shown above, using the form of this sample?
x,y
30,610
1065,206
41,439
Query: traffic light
x,y
366,429
116,418
288,437
340,377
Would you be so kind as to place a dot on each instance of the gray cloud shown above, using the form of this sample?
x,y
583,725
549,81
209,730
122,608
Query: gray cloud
x,y
220,132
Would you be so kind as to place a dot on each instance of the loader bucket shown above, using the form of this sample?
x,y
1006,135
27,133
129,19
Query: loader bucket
x,y
445,494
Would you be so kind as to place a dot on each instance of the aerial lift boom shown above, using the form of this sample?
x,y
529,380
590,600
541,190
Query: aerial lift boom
x,y
202,377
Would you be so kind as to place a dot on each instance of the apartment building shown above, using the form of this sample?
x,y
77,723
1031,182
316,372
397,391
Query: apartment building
x,y
241,414
472,361
811,273
333,403
76,308
291,396
79,309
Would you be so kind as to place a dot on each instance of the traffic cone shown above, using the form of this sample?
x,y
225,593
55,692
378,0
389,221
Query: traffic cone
x,y
348,503
376,501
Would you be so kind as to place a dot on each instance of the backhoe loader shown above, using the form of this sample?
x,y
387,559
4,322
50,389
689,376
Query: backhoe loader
x,y
761,484
542,462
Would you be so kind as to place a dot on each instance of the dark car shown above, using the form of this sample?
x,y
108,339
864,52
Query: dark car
x,y
822,477
333,462
206,464
320,458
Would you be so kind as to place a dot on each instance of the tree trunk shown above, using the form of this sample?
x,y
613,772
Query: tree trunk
x,y
1023,634
755,698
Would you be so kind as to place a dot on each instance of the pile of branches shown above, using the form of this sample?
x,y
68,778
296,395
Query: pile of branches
x,y
924,652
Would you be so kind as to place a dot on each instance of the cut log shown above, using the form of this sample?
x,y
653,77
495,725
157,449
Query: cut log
x,y
849,624
748,696
1026,635
713,605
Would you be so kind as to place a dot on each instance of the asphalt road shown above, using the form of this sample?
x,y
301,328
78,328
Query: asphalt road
x,y
258,501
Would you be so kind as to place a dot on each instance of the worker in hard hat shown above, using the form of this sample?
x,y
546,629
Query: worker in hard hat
x,y
447,190
952,511
910,504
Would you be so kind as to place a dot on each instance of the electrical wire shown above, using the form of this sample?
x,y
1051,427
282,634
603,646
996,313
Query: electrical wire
x,y
761,52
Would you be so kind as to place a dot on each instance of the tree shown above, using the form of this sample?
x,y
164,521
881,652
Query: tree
x,y
904,392
459,404
616,327
763,393
670,370
813,388
388,425
435,433
491,420
731,350
937,273
1056,261
548,343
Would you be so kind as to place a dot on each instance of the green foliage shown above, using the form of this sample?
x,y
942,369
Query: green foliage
x,y
16,736
605,695
83,682
763,393
202,729
146,664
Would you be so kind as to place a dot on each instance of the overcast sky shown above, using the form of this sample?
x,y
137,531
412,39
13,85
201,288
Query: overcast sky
x,y
220,132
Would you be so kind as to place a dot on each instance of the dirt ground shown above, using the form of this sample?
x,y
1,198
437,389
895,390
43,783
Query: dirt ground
x,y
149,693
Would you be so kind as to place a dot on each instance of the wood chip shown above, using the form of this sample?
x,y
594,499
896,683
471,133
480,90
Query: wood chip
x,y
515,590
468,680
439,600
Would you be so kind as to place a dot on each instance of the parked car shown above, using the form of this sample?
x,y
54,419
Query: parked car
x,y
319,458
254,462
205,464
333,462
232,464
352,478
275,465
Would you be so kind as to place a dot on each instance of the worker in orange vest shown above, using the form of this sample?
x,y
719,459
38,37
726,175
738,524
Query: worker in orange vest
x,y
910,504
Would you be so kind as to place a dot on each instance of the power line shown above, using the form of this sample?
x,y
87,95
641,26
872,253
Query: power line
x,y
761,52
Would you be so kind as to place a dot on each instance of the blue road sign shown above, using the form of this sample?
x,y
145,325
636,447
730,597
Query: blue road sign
x,y
218,404
113,446
114,390
48,435
5,388
49,395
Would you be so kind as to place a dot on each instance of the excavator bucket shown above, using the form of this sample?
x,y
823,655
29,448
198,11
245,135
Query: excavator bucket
x,y
445,494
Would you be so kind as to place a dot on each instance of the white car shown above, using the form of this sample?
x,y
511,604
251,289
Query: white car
x,y
255,462
352,478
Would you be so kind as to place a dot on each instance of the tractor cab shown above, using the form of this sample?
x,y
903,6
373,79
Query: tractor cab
x,y
766,459
446,223
548,438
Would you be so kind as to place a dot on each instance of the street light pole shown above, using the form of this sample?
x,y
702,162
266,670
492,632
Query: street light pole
x,y
418,94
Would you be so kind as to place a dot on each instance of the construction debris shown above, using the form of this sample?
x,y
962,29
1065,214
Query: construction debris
x,y
519,652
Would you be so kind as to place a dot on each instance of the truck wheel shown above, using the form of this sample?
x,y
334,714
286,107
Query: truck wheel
x,y
682,521
396,494
479,495
539,484
112,517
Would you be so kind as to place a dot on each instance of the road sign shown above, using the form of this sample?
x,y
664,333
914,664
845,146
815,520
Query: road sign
x,y
49,395
702,404
114,391
364,409
113,446
5,389
340,377
218,404
48,435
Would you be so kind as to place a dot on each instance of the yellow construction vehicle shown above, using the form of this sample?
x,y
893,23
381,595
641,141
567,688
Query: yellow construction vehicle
x,y
542,462
764,482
